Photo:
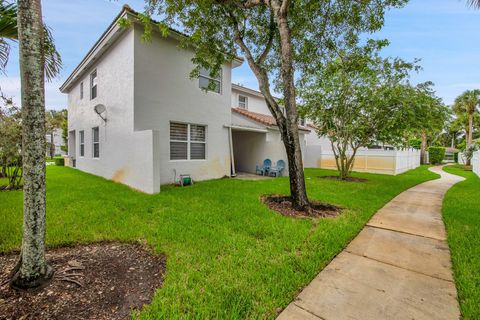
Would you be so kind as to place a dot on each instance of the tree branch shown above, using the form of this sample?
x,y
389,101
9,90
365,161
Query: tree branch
x,y
259,72
271,35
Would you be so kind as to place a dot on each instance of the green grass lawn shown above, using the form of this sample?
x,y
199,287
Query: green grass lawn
x,y
228,256
461,213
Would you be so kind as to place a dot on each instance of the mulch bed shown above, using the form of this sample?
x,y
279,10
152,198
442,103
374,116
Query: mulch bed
x,y
97,281
348,179
283,205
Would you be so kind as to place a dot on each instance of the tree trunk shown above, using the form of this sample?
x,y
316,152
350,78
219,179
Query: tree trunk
x,y
288,124
290,136
469,135
423,148
33,270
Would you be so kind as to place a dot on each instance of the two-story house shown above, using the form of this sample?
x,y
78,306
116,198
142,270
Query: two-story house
x,y
136,117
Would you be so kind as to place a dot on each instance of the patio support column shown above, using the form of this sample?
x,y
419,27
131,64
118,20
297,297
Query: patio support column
x,y
232,158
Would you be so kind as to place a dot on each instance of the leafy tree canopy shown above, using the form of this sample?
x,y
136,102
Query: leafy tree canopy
x,y
317,29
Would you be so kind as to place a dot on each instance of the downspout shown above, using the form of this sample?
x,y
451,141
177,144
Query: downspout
x,y
232,158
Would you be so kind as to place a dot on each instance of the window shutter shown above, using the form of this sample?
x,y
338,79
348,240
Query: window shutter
x,y
178,131
178,150
197,151
197,133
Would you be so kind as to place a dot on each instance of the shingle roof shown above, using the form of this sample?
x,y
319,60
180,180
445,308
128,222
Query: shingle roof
x,y
260,117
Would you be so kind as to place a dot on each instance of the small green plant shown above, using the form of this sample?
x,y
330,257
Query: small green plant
x,y
60,162
436,154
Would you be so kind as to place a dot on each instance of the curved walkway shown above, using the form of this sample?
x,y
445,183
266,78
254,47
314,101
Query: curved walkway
x,y
398,267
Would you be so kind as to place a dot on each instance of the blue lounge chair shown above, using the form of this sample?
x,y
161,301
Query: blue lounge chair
x,y
276,171
263,169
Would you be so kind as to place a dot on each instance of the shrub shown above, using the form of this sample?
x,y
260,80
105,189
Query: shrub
x,y
416,143
455,157
59,162
436,154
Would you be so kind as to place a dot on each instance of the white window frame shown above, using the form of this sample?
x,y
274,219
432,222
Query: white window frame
x,y
81,137
93,84
81,90
95,142
188,141
210,78
245,104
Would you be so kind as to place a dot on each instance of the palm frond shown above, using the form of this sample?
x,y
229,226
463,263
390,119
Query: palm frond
x,y
8,20
53,60
9,31
4,54
474,4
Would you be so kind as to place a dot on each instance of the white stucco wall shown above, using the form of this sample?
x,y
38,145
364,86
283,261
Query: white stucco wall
x,y
125,156
476,163
164,93
57,142
314,145
255,103
251,148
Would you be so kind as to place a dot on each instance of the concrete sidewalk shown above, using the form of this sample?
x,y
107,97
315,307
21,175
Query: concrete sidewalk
x,y
398,267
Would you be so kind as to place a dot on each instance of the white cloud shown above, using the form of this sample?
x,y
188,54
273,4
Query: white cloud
x,y
54,99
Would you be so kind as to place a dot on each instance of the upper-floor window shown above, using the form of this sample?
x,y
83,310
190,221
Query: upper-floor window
x,y
205,79
93,85
82,143
187,141
96,142
81,90
242,102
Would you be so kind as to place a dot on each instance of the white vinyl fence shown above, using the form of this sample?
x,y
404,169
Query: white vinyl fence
x,y
391,162
476,163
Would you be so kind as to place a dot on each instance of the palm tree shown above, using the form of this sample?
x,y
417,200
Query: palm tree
x,y
466,104
474,3
9,32
32,269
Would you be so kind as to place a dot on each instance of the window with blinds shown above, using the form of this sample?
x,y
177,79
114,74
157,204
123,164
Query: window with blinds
x,y
82,143
209,82
243,102
187,141
96,142
93,85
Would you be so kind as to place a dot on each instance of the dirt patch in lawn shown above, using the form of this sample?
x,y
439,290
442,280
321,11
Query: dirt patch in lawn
x,y
348,179
96,281
283,205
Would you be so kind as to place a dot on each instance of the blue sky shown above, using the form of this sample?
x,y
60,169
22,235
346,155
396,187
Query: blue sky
x,y
443,33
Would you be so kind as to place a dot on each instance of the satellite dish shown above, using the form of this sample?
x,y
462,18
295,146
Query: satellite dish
x,y
99,109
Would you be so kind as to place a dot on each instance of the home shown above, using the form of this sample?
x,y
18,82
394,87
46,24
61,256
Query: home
x,y
136,117
54,143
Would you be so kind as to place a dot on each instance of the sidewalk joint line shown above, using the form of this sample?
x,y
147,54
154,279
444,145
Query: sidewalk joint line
x,y
404,232
396,266
308,311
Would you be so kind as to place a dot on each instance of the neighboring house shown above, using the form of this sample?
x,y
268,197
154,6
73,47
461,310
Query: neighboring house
x,y
136,117
57,142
